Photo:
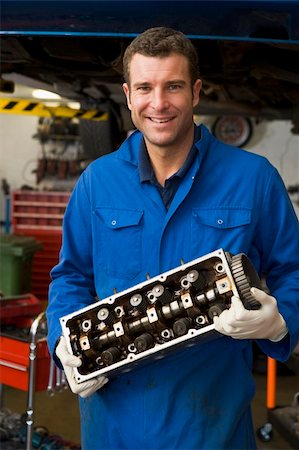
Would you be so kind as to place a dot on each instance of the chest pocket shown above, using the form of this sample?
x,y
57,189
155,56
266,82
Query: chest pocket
x,y
117,241
214,228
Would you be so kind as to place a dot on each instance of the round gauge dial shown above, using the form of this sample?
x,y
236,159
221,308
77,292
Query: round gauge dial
x,y
232,130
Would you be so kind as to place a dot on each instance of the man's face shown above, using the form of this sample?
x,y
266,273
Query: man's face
x,y
161,99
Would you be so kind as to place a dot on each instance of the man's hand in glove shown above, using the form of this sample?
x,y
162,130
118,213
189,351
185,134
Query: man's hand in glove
x,y
70,361
264,323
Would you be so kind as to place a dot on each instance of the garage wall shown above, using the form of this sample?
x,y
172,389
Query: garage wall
x,y
275,141
19,151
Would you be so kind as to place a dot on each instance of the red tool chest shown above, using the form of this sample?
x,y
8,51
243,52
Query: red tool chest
x,y
15,340
14,363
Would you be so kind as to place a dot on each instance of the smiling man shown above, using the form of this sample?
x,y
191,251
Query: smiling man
x,y
172,192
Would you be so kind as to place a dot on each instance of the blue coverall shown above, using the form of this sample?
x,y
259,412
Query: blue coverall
x,y
117,229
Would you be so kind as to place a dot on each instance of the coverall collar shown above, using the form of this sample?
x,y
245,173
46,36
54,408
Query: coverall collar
x,y
146,171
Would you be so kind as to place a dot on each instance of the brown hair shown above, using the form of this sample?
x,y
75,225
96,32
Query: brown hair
x,y
161,42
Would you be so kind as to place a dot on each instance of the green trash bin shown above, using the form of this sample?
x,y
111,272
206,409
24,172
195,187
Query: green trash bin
x,y
16,255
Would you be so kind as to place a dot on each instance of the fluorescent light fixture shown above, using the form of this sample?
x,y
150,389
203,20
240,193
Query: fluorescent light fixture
x,y
45,95
74,105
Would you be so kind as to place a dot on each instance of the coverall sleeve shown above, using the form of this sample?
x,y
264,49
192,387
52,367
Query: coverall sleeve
x,y
72,285
278,232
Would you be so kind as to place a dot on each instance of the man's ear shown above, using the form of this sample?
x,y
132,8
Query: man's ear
x,y
196,91
127,94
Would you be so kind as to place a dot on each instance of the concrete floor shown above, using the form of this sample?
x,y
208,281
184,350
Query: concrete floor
x,y
59,413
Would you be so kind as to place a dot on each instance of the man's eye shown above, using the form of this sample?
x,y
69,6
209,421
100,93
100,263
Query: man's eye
x,y
143,88
174,87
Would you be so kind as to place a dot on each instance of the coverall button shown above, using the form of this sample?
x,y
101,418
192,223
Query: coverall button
x,y
220,221
113,222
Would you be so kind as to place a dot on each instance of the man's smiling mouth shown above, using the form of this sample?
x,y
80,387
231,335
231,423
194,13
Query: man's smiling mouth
x,y
161,120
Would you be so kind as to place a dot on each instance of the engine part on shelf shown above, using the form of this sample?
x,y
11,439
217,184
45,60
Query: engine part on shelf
x,y
152,318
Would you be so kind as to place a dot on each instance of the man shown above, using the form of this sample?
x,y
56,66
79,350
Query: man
x,y
173,191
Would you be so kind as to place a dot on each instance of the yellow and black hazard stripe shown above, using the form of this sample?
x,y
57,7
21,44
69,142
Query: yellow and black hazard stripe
x,y
32,108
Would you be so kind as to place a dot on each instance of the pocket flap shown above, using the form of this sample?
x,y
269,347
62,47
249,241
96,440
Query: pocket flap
x,y
119,218
223,217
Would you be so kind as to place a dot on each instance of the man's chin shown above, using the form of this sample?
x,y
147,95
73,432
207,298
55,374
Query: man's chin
x,y
161,143
160,139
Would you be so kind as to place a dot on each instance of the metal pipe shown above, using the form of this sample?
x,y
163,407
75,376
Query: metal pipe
x,y
31,382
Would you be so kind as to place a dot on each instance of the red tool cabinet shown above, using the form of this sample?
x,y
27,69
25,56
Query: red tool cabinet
x,y
14,363
15,345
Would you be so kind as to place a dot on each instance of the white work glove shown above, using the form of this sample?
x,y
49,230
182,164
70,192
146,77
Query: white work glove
x,y
70,361
263,323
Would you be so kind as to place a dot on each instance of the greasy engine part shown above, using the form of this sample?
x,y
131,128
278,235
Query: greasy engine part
x,y
152,318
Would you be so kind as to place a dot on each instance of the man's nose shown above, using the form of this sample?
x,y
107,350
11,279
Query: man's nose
x,y
159,100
